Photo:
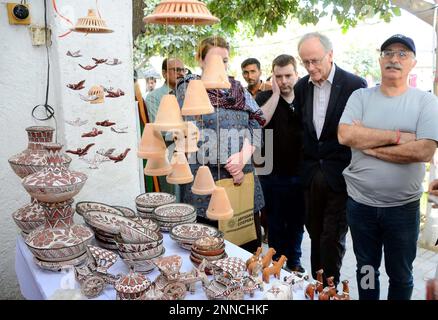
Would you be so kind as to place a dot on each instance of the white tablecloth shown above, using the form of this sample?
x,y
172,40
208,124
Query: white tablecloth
x,y
38,284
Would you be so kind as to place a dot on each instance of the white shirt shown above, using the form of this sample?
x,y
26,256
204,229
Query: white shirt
x,y
321,96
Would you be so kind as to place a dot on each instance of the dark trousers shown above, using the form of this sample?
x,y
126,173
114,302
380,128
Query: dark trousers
x,y
284,200
327,226
396,230
249,246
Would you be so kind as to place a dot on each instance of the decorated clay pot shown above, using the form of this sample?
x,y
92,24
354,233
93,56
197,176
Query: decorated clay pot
x,y
55,183
34,158
132,286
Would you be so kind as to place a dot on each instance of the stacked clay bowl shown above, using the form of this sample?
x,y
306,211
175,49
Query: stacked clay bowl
x,y
185,234
170,215
138,246
147,202
208,248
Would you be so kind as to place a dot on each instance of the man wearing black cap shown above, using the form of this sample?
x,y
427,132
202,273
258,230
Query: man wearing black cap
x,y
392,129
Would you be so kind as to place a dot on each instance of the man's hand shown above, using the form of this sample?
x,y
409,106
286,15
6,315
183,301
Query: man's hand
x,y
275,88
433,192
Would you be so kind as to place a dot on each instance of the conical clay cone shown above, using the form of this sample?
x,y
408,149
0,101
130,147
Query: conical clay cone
x,y
204,183
214,75
187,140
196,101
219,207
180,170
152,144
168,115
158,166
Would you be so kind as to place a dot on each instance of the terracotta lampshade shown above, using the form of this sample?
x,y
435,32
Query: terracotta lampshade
x,y
152,144
168,114
187,140
98,92
219,207
196,101
204,183
180,170
158,166
91,24
181,12
214,75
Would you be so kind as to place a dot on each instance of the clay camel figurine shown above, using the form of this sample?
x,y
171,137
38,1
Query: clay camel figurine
x,y
275,269
345,292
261,262
255,257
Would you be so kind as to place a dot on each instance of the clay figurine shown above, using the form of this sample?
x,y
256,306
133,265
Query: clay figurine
x,y
120,157
81,151
275,269
99,61
74,54
92,133
254,257
105,123
88,68
77,86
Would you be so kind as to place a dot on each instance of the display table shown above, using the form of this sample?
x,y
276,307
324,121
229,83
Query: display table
x,y
38,284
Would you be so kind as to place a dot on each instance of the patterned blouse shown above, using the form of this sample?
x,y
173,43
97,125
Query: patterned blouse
x,y
234,126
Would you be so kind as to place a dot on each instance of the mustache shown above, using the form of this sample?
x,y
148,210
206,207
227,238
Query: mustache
x,y
397,66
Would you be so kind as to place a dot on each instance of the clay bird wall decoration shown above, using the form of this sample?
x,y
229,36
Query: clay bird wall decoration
x,y
76,86
92,133
105,123
88,67
120,157
81,151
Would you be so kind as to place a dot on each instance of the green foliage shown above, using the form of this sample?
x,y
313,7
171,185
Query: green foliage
x,y
250,18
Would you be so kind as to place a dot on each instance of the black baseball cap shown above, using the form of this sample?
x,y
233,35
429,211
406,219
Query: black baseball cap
x,y
399,38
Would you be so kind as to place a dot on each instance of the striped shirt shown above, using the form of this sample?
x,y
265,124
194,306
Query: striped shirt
x,y
321,96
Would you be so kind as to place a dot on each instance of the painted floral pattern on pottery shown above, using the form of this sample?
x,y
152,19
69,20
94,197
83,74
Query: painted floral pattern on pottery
x,y
193,231
132,286
174,211
154,199
59,244
34,158
107,222
55,183
236,267
85,206
29,217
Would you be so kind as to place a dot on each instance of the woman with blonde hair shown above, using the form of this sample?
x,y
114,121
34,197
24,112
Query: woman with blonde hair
x,y
234,109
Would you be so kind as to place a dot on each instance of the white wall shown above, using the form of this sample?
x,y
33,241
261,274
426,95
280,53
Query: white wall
x,y
22,86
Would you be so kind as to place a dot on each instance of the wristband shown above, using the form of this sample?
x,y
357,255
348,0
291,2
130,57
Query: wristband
x,y
397,141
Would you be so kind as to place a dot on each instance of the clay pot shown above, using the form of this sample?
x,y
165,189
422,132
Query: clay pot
x,y
219,207
55,183
181,173
181,12
158,167
214,75
91,24
196,100
168,115
152,143
204,183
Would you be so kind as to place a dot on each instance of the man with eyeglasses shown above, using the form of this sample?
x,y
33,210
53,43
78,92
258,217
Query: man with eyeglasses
x,y
392,129
172,70
321,97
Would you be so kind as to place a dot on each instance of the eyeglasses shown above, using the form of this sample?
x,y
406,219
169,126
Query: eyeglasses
x,y
402,54
315,62
179,70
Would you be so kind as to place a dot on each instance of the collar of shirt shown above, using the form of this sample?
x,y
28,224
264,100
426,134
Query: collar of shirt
x,y
329,79
256,89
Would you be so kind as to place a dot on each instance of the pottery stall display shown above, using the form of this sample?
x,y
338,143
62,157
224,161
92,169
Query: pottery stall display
x,y
169,215
185,234
147,202
59,241
29,161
